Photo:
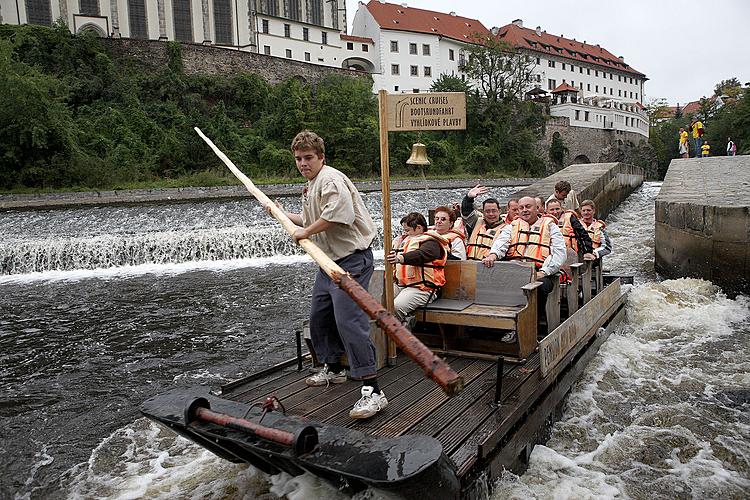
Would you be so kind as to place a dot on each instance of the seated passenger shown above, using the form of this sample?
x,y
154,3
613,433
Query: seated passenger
x,y
458,224
566,195
482,227
444,221
576,237
531,238
599,239
420,266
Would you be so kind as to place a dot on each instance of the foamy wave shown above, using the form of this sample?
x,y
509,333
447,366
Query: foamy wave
x,y
125,272
661,411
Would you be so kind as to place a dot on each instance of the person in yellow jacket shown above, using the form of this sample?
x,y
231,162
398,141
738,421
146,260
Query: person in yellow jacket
x,y
684,149
696,126
705,149
420,265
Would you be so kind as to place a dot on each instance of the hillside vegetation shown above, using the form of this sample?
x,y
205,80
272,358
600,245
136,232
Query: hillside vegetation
x,y
73,116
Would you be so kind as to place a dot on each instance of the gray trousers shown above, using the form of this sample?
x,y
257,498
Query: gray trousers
x,y
337,324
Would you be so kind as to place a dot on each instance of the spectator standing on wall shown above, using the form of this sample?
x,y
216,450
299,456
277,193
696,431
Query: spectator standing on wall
x,y
697,128
731,147
705,150
683,143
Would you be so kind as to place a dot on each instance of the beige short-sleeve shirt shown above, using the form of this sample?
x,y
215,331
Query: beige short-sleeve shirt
x,y
334,198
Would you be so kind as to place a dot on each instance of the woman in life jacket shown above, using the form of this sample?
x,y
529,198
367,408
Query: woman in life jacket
x,y
596,230
419,266
577,240
445,219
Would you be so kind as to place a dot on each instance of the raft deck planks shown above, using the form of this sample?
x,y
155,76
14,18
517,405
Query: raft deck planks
x,y
415,404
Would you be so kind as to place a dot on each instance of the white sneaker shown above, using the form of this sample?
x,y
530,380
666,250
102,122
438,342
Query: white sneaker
x,y
369,404
325,377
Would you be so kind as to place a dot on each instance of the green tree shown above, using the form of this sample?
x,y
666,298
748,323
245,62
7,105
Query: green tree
x,y
502,72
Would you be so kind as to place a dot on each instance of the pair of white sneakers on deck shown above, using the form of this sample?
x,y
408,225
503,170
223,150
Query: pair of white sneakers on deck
x,y
368,405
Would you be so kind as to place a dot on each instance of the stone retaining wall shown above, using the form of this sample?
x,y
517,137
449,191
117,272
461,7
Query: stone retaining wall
x,y
608,184
703,222
209,60
167,195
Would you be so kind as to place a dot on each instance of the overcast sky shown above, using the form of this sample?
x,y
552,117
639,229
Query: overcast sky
x,y
684,47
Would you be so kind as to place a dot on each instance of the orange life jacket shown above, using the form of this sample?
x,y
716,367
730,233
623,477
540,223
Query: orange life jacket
x,y
595,231
566,228
427,276
481,240
530,245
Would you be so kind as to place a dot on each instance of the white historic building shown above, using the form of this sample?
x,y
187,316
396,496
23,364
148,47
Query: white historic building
x,y
413,47
588,84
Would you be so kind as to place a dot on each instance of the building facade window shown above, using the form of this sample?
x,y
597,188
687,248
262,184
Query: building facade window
x,y
394,46
572,68
264,26
183,25
288,53
137,18
413,70
307,56
596,73
91,8
538,61
578,114
395,88
324,38
349,46
294,9
39,12
588,71
315,14
365,48
306,34
270,7
451,55
588,87
586,116
551,64
394,69
427,71
413,48
223,21
267,50
563,65
425,49
580,69
287,30
551,84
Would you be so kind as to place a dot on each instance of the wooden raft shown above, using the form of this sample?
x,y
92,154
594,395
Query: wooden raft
x,y
472,428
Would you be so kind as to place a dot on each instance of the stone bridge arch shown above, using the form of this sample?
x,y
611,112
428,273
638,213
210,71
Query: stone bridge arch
x,y
585,144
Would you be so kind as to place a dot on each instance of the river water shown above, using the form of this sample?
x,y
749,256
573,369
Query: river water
x,y
103,307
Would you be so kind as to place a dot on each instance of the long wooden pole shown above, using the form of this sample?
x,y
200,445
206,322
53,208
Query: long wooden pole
x,y
433,366
385,188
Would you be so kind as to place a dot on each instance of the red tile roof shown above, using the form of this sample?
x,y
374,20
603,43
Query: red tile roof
x,y
564,87
391,16
546,43
352,38
688,109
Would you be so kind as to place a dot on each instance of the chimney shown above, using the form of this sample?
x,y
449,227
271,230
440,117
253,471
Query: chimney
x,y
518,22
538,31
495,30
452,13
621,58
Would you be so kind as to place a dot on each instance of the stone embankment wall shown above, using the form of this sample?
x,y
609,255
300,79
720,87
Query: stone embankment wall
x,y
608,184
208,60
593,145
169,195
703,221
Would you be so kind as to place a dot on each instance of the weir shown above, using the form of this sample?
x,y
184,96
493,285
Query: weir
x,y
703,221
608,184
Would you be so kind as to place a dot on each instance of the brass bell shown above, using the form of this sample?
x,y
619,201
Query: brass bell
x,y
418,155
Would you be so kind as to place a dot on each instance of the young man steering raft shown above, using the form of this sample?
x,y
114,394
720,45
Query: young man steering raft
x,y
336,219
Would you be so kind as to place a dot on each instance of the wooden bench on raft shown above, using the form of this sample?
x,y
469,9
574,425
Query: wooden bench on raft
x,y
581,276
495,300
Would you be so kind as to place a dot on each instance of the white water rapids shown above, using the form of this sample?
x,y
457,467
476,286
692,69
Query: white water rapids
x,y
663,411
